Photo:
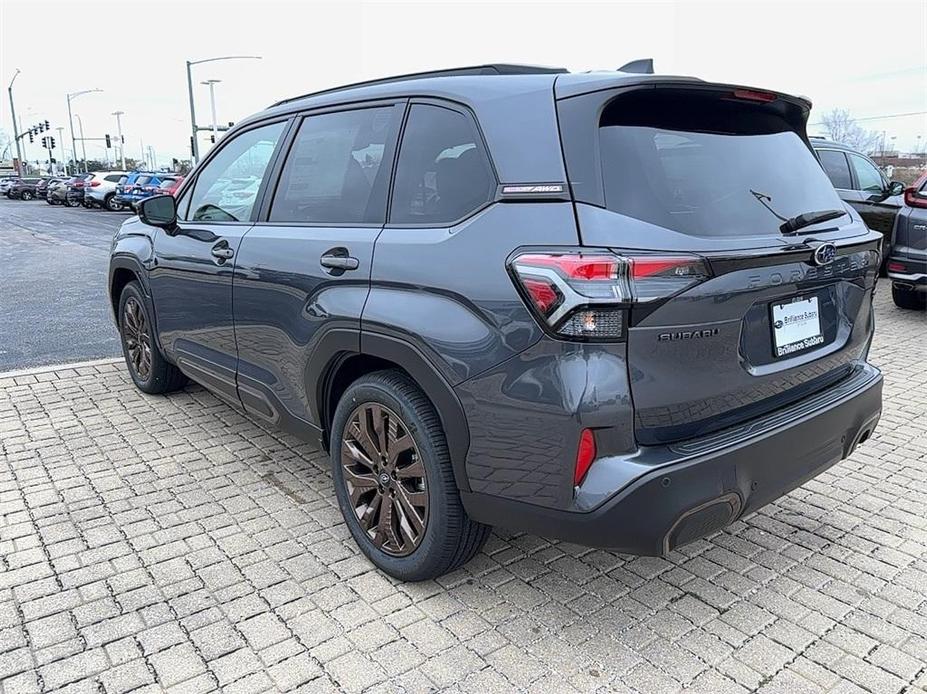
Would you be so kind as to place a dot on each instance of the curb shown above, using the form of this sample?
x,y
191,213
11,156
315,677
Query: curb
x,y
59,367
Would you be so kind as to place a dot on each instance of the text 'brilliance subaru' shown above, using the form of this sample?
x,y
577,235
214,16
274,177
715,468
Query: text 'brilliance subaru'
x,y
616,308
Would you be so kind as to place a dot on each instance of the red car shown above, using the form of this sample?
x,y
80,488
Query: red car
x,y
169,186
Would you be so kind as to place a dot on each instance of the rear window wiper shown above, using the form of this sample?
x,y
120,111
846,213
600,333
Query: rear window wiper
x,y
793,224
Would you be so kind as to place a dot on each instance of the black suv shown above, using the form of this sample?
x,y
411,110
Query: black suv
x,y
862,184
616,308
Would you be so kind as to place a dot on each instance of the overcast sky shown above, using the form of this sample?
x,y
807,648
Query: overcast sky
x,y
869,57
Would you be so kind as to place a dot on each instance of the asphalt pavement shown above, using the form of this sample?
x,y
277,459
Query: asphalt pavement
x,y
53,266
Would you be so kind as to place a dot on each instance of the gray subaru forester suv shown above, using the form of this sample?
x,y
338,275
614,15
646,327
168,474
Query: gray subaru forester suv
x,y
615,308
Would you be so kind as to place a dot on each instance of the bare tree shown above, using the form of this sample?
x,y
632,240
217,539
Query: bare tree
x,y
841,127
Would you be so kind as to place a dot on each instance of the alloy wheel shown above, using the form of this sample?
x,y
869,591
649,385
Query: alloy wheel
x,y
385,479
135,334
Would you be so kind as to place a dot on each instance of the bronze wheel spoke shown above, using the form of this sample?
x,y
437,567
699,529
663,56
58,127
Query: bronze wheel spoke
x,y
408,504
413,470
367,514
362,434
352,452
385,479
378,416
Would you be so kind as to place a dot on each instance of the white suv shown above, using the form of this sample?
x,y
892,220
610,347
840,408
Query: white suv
x,y
100,189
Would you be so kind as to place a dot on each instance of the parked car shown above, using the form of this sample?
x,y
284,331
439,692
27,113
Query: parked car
x,y
169,185
6,182
57,191
907,264
128,191
162,184
862,184
41,188
100,189
76,190
22,188
625,320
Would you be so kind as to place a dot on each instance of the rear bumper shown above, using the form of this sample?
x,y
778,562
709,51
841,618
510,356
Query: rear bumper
x,y
713,481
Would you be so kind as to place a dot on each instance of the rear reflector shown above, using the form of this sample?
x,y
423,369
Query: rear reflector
x,y
894,266
585,454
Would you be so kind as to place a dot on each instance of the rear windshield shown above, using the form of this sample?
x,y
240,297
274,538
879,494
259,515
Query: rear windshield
x,y
708,166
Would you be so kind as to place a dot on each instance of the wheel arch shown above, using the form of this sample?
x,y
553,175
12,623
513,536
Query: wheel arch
x,y
341,365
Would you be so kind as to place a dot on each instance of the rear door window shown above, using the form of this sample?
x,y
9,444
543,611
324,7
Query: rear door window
x,y
335,172
706,166
836,167
868,177
443,172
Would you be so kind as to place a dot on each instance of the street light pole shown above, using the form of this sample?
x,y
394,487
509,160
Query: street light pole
x,y
74,95
19,154
212,102
122,146
83,142
194,146
63,149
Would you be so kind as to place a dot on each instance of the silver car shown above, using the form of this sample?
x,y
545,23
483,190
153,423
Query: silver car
x,y
100,189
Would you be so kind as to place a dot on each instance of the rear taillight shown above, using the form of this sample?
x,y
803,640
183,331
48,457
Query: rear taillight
x,y
895,266
587,295
94,184
912,199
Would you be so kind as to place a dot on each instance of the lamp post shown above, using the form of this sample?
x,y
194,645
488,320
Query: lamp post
x,y
83,142
64,151
122,146
74,95
19,154
212,102
194,146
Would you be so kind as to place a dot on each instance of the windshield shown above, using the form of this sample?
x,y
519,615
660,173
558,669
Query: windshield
x,y
700,168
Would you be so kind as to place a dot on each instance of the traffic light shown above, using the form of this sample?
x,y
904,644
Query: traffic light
x,y
47,126
30,137
52,141
45,142
109,142
40,127
212,138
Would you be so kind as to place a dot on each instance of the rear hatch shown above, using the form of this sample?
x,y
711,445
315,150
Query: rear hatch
x,y
761,305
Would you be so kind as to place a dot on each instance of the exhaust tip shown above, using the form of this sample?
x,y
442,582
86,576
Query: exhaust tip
x,y
702,520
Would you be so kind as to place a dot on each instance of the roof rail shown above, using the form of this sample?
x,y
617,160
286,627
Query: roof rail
x,y
488,69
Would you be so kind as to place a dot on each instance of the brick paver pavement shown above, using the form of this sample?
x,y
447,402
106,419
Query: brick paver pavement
x,y
152,543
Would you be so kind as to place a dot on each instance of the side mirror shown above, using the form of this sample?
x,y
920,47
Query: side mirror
x,y
158,211
894,188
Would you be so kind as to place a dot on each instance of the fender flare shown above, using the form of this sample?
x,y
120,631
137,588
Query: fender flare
x,y
340,344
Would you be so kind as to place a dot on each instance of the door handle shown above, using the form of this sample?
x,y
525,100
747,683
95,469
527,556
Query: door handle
x,y
222,252
338,259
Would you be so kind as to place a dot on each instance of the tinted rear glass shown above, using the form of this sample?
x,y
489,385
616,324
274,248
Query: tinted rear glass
x,y
704,166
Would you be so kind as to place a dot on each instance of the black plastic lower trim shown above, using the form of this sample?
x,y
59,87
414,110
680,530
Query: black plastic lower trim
x,y
640,518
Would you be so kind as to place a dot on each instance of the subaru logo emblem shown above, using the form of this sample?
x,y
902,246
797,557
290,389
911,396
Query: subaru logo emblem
x,y
825,254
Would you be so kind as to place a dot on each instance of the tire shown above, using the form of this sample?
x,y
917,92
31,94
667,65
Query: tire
x,y
25,195
66,202
160,376
110,203
449,537
908,299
